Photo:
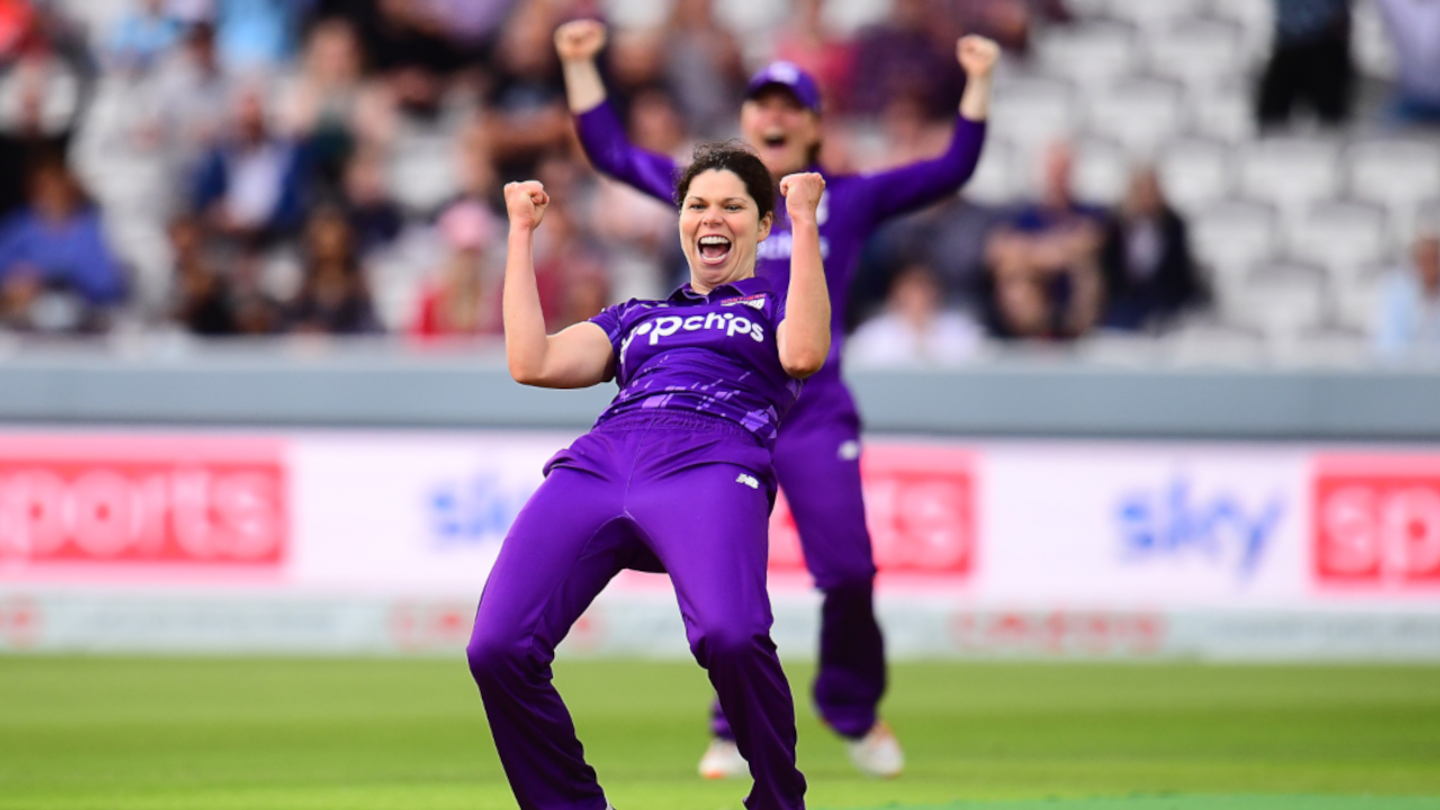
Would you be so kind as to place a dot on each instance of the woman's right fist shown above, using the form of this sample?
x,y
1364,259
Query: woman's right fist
x,y
579,40
526,203
802,194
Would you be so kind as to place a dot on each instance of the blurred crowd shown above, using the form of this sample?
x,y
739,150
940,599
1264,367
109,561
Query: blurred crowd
x,y
334,167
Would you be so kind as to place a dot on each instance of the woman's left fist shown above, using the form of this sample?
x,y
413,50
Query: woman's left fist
x,y
977,55
802,194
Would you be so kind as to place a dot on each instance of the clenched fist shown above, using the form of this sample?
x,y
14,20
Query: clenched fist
x,y
977,55
579,40
526,203
802,195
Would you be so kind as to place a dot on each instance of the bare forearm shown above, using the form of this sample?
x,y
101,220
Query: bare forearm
x,y
805,339
584,89
975,103
526,342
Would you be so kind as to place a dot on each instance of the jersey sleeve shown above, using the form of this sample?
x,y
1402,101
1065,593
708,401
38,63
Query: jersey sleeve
x,y
612,154
899,191
611,320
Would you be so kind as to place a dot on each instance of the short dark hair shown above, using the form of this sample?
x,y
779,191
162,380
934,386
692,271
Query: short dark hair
x,y
737,158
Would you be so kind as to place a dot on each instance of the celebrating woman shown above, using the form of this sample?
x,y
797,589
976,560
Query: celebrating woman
x,y
817,456
676,475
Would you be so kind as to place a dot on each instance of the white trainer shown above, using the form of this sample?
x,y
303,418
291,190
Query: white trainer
x,y
722,760
878,753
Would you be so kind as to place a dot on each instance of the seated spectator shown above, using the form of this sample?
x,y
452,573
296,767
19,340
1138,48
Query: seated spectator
x,y
334,297
202,301
57,274
703,67
1045,270
142,37
806,41
192,96
1408,320
909,57
249,186
465,299
255,34
1150,275
375,217
329,107
915,328
1309,62
1414,28
527,115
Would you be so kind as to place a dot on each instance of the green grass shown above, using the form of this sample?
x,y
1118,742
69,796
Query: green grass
x,y
207,734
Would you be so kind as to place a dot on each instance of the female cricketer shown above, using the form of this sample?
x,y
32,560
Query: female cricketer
x,y
676,475
818,452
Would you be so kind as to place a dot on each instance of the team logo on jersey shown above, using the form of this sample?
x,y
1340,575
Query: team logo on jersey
x,y
748,480
756,301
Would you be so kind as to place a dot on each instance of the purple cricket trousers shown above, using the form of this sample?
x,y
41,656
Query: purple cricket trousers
x,y
688,493
817,459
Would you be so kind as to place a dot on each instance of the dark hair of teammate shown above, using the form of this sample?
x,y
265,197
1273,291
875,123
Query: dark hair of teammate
x,y
736,157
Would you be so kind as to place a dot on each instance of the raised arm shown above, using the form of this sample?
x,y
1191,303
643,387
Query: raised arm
x,y
804,335
577,357
601,134
902,190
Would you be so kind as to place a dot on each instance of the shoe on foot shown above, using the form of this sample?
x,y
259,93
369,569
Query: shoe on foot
x,y
878,753
722,760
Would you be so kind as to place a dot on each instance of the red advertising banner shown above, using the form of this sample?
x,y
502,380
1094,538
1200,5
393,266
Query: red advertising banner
x,y
137,501
920,509
1377,521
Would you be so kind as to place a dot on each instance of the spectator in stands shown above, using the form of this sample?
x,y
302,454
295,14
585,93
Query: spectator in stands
x,y
1414,27
1408,320
329,107
908,59
1009,22
703,66
193,97
256,34
915,328
806,41
375,218
334,297
527,116
1310,62
465,298
249,187
1150,275
57,274
202,304
143,36
1045,275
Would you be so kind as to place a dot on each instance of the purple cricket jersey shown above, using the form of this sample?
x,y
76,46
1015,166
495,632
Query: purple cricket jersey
x,y
852,208
711,354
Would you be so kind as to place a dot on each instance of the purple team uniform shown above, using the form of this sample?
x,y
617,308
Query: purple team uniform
x,y
818,450
676,476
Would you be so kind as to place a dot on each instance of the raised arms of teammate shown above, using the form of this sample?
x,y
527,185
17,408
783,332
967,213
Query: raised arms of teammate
x,y
804,336
577,357
910,187
601,133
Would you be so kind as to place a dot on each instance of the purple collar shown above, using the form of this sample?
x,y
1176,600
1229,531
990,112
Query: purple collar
x,y
745,286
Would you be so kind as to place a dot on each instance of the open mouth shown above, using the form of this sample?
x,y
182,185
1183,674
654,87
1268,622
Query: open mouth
x,y
714,249
774,140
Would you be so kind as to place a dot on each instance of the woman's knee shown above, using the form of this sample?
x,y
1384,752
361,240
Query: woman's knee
x,y
723,644
494,650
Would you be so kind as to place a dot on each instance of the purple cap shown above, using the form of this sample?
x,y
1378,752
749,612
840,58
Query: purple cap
x,y
789,76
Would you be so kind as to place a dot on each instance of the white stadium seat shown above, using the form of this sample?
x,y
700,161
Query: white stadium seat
x,y
1195,173
1256,19
1139,114
1101,172
1233,236
1153,15
1292,173
1093,55
1354,302
1281,300
1199,53
995,181
1344,238
1032,112
1225,112
1401,175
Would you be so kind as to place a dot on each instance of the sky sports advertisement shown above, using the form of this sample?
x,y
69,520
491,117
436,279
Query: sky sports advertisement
x,y
332,542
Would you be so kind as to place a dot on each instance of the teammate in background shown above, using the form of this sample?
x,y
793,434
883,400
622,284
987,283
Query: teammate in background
x,y
817,455
676,475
